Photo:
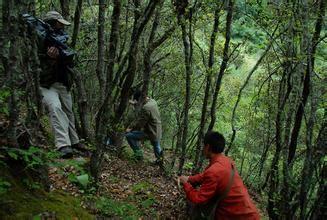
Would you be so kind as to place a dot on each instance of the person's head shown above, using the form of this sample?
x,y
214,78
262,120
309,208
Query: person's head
x,y
56,20
137,95
214,143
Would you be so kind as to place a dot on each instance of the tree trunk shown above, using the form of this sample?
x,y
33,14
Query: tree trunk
x,y
77,18
82,104
283,95
153,43
101,38
308,162
198,152
65,8
223,65
188,73
318,210
139,25
101,119
311,50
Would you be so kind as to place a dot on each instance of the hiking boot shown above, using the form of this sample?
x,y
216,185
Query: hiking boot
x,y
81,150
80,147
160,160
66,152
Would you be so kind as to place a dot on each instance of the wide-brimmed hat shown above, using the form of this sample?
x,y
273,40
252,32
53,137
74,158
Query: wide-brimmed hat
x,y
53,15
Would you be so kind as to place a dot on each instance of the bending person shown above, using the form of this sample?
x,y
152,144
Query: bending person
x,y
147,125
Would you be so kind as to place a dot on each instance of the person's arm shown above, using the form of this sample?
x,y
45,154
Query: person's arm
x,y
206,191
196,179
53,52
141,120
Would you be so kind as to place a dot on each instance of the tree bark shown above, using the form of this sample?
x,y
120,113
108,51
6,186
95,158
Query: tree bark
x,y
188,72
153,43
211,60
318,210
223,65
307,81
100,63
77,19
130,71
65,8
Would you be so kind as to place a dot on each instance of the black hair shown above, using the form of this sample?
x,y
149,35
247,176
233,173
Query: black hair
x,y
215,140
137,95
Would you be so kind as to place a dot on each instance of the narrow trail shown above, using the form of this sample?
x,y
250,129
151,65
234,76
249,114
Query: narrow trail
x,y
146,182
139,184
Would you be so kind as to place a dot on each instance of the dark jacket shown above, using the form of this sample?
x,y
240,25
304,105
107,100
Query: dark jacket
x,y
149,120
52,70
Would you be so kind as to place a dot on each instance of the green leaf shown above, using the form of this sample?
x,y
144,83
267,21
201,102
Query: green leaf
x,y
83,180
72,178
13,155
37,217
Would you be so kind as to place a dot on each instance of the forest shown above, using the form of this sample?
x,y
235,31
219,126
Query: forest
x,y
254,70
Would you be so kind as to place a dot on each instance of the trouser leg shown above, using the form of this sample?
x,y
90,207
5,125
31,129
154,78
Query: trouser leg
x,y
67,106
58,118
156,148
133,139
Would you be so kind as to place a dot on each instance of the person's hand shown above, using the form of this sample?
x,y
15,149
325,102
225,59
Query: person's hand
x,y
53,52
128,129
183,179
132,102
178,182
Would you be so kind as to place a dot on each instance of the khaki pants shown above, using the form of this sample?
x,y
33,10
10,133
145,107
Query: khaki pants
x,y
59,104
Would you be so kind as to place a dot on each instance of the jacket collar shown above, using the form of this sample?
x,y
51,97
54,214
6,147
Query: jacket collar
x,y
215,158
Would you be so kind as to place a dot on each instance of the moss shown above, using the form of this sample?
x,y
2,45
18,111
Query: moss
x,y
19,204
22,202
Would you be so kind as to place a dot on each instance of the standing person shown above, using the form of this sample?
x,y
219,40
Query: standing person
x,y
220,184
55,85
147,125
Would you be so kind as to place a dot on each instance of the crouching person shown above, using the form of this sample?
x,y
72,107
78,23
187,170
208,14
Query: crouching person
x,y
221,193
147,125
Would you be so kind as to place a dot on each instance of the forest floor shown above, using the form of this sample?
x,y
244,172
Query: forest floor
x,y
128,189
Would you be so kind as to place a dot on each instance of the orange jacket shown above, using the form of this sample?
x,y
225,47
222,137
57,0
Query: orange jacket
x,y
214,180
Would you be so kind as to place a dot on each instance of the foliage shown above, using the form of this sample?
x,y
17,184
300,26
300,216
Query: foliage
x,y
33,156
111,208
78,175
4,95
4,186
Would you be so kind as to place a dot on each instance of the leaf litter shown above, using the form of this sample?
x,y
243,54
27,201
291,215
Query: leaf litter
x,y
139,183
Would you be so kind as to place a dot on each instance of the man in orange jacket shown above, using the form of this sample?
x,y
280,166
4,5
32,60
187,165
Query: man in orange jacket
x,y
220,178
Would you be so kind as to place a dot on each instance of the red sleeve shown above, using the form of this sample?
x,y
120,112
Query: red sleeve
x,y
205,192
196,179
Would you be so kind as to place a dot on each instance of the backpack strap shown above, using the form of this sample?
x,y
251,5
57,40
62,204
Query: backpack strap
x,y
230,183
224,194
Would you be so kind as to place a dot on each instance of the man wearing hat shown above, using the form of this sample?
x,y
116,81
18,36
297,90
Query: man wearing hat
x,y
55,86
